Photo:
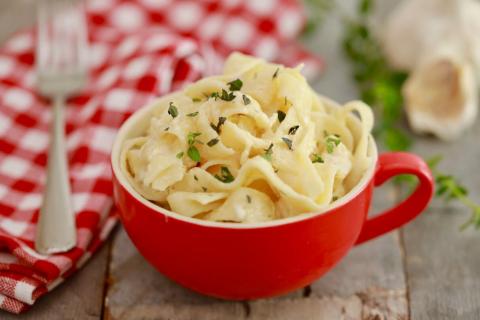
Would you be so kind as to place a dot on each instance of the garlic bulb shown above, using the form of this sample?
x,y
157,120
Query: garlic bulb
x,y
438,41
441,97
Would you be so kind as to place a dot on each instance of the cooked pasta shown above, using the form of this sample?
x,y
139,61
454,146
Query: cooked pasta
x,y
253,144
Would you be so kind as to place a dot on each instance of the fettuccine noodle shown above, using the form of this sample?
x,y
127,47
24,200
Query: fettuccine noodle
x,y
253,144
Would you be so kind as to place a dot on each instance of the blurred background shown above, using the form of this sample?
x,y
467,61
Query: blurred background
x,y
415,62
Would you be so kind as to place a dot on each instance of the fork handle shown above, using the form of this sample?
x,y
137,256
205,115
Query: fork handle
x,y
56,226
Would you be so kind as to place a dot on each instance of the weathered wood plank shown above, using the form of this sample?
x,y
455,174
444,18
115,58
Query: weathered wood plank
x,y
138,291
442,262
80,297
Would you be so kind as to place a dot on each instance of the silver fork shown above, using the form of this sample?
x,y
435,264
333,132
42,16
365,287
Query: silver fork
x,y
61,63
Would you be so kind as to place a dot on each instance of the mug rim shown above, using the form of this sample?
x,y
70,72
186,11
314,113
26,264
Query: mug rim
x,y
129,124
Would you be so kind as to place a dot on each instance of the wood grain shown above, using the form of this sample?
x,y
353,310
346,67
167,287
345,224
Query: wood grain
x,y
138,291
442,262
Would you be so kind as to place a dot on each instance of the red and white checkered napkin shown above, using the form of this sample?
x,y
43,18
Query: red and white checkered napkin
x,y
139,50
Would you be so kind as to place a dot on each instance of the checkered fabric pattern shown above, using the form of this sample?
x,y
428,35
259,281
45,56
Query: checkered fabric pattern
x,y
139,50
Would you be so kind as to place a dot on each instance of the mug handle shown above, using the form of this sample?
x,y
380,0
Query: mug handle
x,y
392,164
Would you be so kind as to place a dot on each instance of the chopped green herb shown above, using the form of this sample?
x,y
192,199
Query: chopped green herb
x,y
249,199
193,114
193,153
204,189
334,198
172,110
235,85
268,152
217,127
276,73
195,177
227,96
225,176
281,115
167,128
288,142
317,158
192,137
212,142
196,99
246,100
331,142
293,130
275,170
215,95
180,155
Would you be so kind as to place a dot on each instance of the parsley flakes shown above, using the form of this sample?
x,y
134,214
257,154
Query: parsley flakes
x,y
193,114
225,175
293,130
288,142
317,158
172,110
192,151
331,142
281,115
212,142
217,128
268,153
245,99
276,73
235,85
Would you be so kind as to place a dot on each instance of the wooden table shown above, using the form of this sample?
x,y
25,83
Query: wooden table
x,y
427,270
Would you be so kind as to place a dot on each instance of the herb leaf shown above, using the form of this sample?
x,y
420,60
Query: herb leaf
x,y
196,99
293,130
249,199
331,142
281,115
180,155
212,142
172,110
193,153
276,73
217,128
225,175
215,95
227,96
235,85
317,158
288,142
193,114
245,99
268,153
192,137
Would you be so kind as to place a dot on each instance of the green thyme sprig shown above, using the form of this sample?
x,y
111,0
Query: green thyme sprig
x,y
448,188
317,11
379,85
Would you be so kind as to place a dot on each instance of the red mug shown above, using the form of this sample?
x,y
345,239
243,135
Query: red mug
x,y
258,260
